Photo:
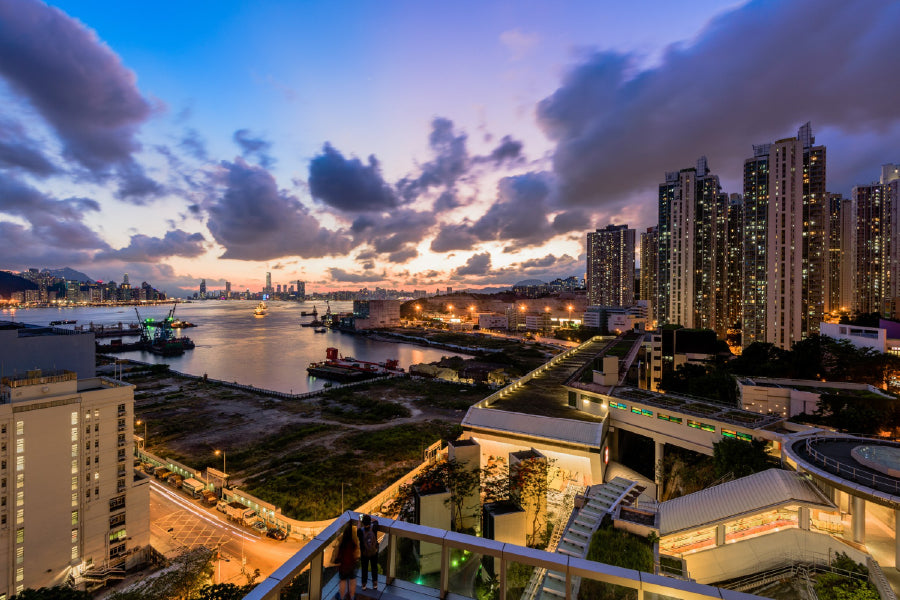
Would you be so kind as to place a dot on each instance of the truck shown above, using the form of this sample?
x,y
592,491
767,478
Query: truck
x,y
175,480
162,473
193,487
209,497
240,513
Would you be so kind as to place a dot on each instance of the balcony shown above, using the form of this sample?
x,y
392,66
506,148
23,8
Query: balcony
x,y
454,566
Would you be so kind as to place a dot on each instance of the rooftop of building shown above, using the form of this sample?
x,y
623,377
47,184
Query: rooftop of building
x,y
29,330
567,431
734,499
859,390
38,377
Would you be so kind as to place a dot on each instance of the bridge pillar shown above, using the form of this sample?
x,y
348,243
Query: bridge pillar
x,y
858,519
803,518
720,535
657,467
897,539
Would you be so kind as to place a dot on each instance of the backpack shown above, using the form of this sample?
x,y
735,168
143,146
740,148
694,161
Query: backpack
x,y
370,542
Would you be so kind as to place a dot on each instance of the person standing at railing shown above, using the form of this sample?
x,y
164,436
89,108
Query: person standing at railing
x,y
368,544
345,556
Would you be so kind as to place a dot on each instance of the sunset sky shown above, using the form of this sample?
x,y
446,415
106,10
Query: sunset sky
x,y
404,144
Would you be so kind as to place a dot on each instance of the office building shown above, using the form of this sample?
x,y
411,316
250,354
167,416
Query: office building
x,y
876,257
227,290
301,289
692,253
649,270
203,288
25,347
268,288
610,266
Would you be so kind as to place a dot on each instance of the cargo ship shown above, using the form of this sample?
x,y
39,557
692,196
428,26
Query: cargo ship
x,y
338,368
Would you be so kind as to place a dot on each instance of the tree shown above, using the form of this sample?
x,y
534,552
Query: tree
x,y
495,480
452,475
181,581
528,486
739,457
223,591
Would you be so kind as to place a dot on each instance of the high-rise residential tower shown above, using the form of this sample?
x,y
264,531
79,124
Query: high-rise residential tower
x,y
814,270
692,234
649,270
734,259
773,275
834,250
301,289
876,209
610,266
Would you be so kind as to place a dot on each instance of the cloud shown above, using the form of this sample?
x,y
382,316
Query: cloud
x,y
254,147
348,184
24,248
451,160
519,43
454,237
135,186
144,248
347,277
395,234
477,264
77,84
18,151
194,144
253,220
618,126
508,150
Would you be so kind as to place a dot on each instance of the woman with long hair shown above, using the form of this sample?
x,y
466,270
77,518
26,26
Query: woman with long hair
x,y
345,557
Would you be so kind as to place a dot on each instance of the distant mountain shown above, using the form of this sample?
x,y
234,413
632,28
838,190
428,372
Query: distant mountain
x,y
69,275
10,284
530,282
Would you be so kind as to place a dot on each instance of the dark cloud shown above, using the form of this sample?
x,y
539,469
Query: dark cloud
x,y
446,201
19,151
750,76
454,237
477,264
135,186
451,160
75,82
253,220
194,144
347,277
24,248
508,150
254,147
395,234
348,184
144,248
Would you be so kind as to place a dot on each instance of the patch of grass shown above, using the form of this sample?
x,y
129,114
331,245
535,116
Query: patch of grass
x,y
254,454
362,409
403,442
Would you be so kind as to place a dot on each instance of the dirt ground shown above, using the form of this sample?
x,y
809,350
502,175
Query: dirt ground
x,y
291,452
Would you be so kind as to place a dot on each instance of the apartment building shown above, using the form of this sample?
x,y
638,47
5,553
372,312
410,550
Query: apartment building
x,y
71,508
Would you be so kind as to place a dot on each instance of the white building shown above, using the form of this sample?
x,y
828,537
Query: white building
x,y
492,321
789,397
69,498
861,337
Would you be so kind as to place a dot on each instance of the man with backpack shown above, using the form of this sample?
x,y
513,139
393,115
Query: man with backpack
x,y
368,549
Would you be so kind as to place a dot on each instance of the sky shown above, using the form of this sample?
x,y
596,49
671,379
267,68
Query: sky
x,y
401,144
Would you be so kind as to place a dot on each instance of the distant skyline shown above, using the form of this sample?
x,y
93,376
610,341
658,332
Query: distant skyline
x,y
404,144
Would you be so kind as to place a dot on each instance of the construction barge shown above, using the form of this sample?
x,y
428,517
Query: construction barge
x,y
157,337
347,369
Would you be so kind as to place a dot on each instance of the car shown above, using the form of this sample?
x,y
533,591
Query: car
x,y
276,534
260,526
221,506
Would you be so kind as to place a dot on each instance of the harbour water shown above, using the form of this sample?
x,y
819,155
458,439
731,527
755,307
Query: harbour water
x,y
232,344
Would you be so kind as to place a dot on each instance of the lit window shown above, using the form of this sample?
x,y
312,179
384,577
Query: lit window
x,y
20,480
20,555
20,463
20,427
75,536
20,516
20,575
74,517
74,483
20,445
75,499
74,434
20,535
20,498
74,553
74,466
74,418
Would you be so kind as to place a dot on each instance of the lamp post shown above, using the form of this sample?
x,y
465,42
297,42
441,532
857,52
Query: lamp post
x,y
143,445
570,315
224,472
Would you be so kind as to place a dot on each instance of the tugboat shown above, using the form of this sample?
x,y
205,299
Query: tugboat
x,y
313,313
261,308
347,368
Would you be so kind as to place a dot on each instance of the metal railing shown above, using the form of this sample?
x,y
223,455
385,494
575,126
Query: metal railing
x,y
849,471
312,557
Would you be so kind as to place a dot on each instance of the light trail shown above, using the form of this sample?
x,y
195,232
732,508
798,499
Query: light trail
x,y
181,502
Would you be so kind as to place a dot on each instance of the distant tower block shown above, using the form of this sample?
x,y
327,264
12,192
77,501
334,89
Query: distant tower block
x,y
468,454
432,510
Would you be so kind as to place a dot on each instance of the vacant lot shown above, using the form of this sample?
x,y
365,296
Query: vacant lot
x,y
296,453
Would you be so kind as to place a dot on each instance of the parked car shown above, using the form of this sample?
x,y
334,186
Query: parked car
x,y
276,534
260,526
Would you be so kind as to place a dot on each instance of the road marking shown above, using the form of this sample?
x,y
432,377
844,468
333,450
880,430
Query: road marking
x,y
181,502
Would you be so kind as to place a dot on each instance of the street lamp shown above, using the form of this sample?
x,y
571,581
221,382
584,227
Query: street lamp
x,y
222,452
570,314
143,445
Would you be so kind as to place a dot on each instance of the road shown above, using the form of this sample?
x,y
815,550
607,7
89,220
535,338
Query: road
x,y
178,523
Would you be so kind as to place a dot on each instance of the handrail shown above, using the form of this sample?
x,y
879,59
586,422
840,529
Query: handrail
x,y
312,555
852,472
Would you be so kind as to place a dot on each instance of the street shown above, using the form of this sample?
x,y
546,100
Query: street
x,y
178,523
